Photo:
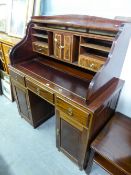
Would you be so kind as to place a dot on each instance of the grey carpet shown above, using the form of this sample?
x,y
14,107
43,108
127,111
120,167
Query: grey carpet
x,y
28,151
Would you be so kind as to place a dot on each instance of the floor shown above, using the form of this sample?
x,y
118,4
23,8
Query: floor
x,y
28,151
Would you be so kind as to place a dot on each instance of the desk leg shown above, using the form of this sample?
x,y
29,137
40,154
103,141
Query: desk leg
x,y
90,162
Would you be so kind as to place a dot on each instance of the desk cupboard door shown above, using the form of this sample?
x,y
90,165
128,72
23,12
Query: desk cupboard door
x,y
2,60
21,97
58,45
71,140
68,42
63,46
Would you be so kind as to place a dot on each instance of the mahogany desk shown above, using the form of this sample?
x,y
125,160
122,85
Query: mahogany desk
x,y
112,147
69,65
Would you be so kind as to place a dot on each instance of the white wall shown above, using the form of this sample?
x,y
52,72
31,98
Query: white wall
x,y
103,8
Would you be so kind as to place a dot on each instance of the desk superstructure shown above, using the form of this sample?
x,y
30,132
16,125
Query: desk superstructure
x,y
69,65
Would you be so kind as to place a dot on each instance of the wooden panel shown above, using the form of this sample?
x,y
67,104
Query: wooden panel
x,y
18,77
70,139
57,45
47,95
21,97
68,47
74,113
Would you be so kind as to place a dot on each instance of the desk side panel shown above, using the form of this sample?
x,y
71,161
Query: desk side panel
x,y
114,64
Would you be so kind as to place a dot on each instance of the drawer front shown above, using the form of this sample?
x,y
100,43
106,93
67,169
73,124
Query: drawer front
x,y
47,95
92,64
18,77
73,112
43,49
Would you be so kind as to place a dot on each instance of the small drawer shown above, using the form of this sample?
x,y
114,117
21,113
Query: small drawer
x,y
47,95
91,62
72,111
40,48
6,50
17,77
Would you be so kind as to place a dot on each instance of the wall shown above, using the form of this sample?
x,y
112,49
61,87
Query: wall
x,y
102,8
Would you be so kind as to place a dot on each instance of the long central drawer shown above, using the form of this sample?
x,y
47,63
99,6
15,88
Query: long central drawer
x,y
44,93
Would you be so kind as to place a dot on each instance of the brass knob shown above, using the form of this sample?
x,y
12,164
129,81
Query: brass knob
x,y
55,39
91,65
47,84
70,111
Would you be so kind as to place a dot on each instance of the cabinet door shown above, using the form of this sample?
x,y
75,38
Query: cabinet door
x,y
68,47
3,63
21,97
6,51
58,45
70,139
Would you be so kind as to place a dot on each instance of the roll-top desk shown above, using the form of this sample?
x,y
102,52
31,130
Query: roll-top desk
x,y
69,65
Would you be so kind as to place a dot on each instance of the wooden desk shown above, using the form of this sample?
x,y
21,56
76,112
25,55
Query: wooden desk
x,y
70,65
112,147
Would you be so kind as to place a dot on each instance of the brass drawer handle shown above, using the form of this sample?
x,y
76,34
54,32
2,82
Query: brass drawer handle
x,y
39,49
70,111
91,65
61,47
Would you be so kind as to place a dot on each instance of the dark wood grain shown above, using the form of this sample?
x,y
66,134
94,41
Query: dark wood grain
x,y
84,21
58,77
114,61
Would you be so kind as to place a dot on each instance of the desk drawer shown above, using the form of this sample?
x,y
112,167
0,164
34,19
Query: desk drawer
x,y
47,95
41,48
72,111
18,77
90,62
